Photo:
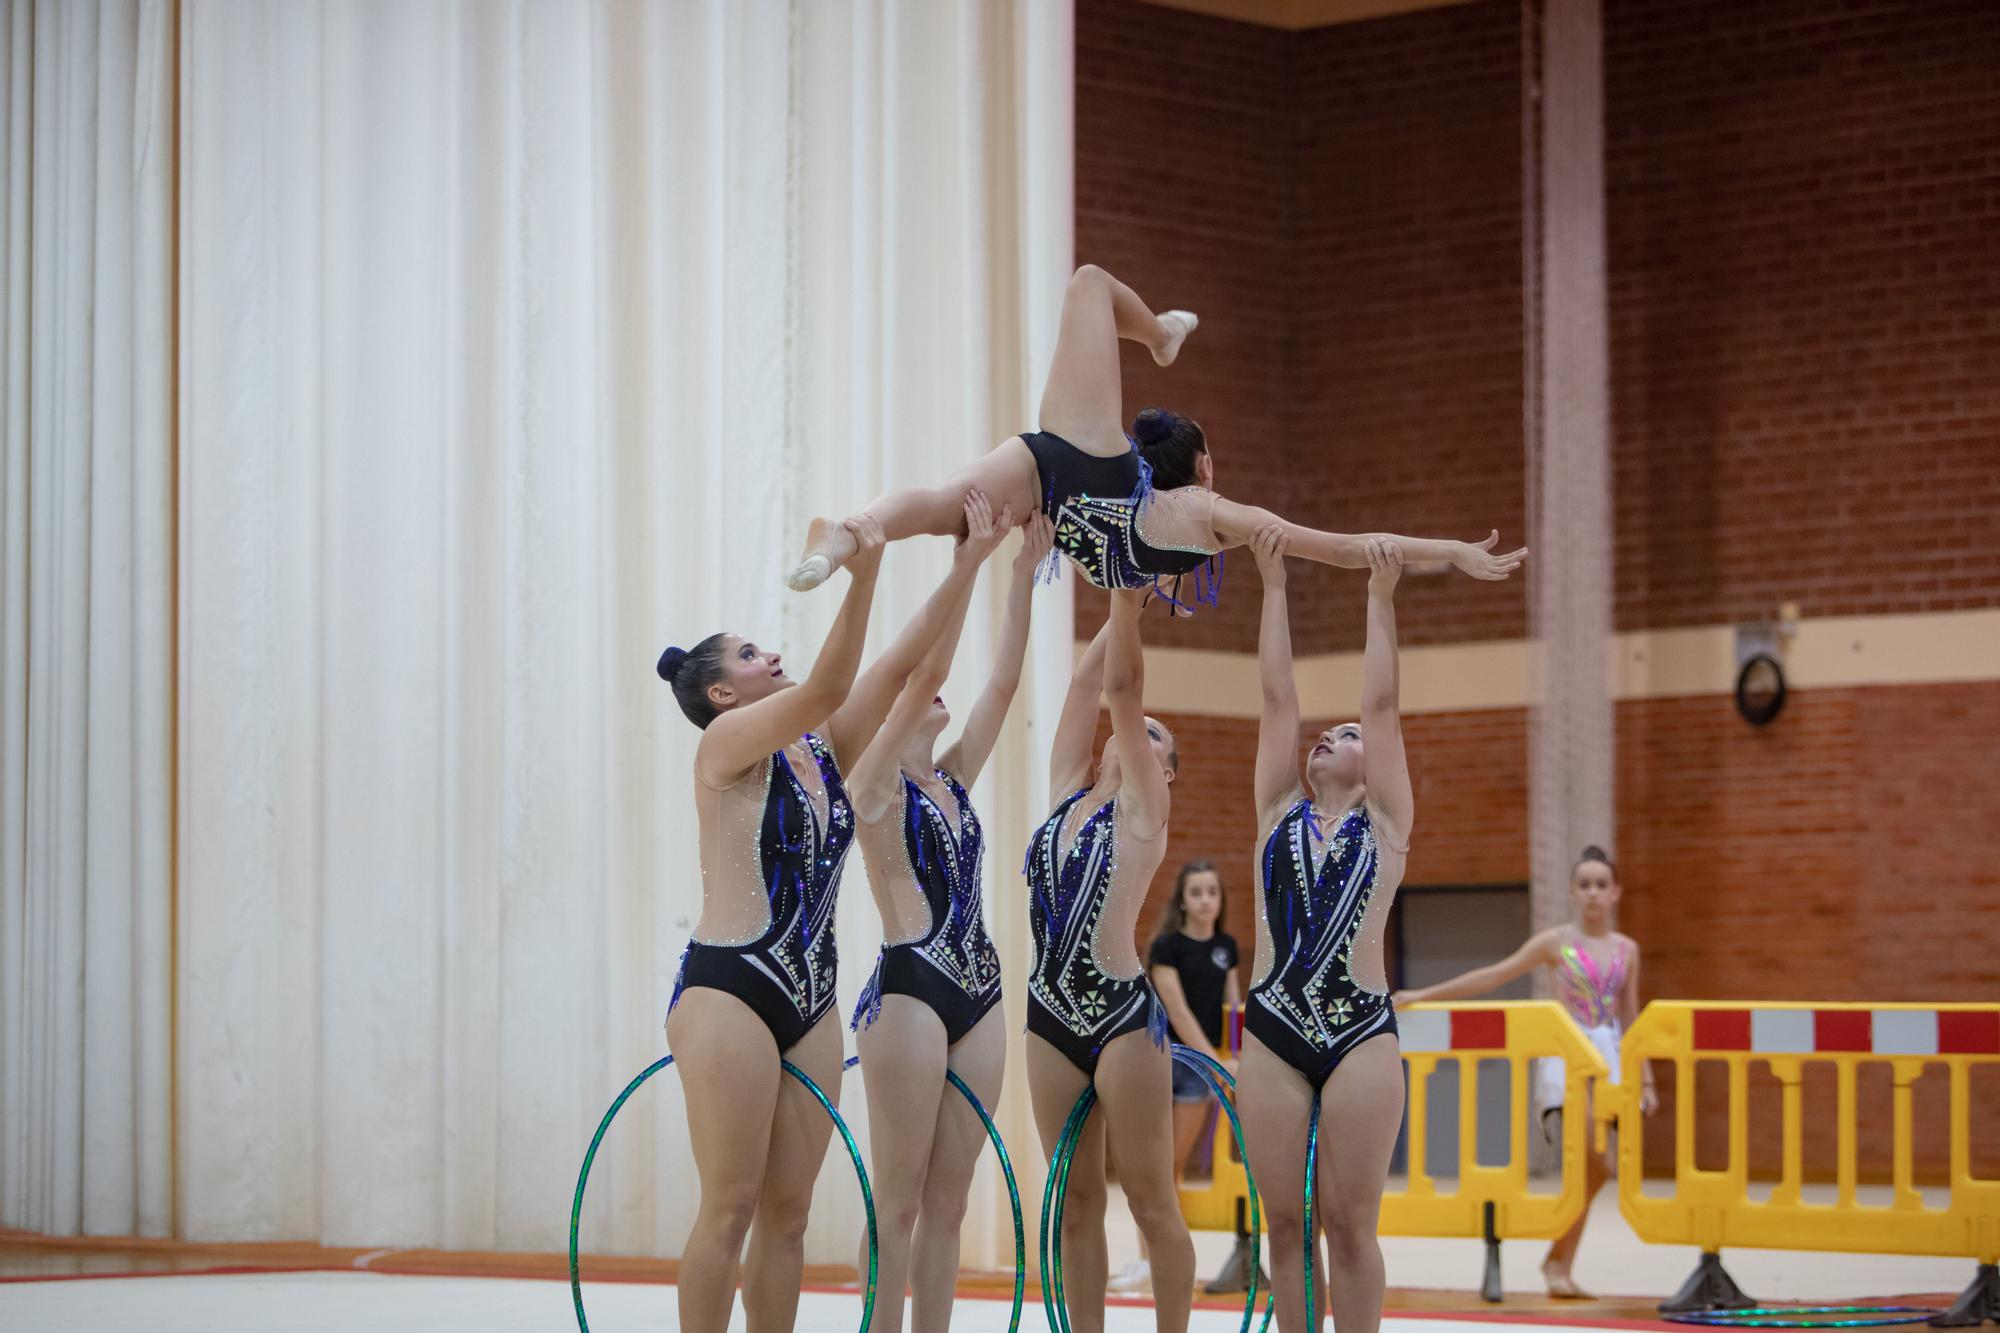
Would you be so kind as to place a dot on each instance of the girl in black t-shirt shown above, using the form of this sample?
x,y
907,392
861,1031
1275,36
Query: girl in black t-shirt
x,y
1194,969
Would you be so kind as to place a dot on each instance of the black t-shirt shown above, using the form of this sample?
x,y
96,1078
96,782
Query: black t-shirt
x,y
1204,970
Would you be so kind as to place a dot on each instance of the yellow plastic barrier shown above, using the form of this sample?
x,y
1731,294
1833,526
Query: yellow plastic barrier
x,y
1712,1209
1489,1201
1212,1204
1222,1202
1519,1032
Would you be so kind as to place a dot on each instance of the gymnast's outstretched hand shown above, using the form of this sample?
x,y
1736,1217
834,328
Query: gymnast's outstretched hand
x,y
1478,560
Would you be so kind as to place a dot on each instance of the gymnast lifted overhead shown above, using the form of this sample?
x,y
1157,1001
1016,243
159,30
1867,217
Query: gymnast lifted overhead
x,y
1131,509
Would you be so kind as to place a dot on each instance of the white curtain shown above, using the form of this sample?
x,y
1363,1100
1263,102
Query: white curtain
x,y
519,340
86,599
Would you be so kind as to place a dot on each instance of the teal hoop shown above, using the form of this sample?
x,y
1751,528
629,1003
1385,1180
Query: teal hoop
x,y
1808,1316
1056,1188
1215,1074
1013,1189
1013,1197
1055,1196
1054,1302
1312,1175
583,1178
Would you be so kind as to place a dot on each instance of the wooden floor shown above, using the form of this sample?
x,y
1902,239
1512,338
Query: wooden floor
x,y
26,1256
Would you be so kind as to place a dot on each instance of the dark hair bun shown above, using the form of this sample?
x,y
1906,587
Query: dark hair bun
x,y
1594,853
1152,425
670,663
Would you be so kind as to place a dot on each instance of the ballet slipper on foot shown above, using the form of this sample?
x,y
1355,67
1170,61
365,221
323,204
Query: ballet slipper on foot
x,y
1562,1286
1179,324
828,544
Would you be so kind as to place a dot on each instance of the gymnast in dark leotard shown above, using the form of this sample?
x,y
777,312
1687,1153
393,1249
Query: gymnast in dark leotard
x,y
785,973
1093,1018
756,983
931,1004
1318,1018
1114,525
1130,509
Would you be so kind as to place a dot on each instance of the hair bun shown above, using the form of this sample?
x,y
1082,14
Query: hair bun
x,y
1152,425
670,663
1594,853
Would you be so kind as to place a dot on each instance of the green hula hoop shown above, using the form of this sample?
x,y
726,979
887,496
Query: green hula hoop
x,y
1214,1073
1013,1197
1013,1189
1312,1174
583,1178
1055,1189
1807,1316
1055,1196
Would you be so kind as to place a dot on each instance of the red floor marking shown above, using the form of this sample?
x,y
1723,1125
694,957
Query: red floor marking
x,y
227,1271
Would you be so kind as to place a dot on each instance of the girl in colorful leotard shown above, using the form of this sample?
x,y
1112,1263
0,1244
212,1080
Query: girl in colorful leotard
x,y
1130,510
1595,972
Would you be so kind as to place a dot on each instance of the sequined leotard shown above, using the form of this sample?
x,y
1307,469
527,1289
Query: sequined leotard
x,y
953,967
1308,1009
1590,993
1100,508
786,975
1073,1003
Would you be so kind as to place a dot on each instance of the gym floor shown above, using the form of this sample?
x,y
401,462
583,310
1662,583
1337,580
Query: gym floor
x,y
96,1286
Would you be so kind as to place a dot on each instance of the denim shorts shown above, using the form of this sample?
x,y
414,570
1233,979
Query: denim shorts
x,y
1188,1085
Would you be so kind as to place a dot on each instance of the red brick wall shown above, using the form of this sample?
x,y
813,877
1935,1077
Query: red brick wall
x,y
1842,853
1804,240
1852,838
1469,771
1839,854
1345,217
1804,226
1186,187
1410,305
1812,830
1804,232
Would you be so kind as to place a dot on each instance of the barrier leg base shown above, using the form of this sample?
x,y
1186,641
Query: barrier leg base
x,y
1977,1303
1709,1287
1489,1281
1234,1274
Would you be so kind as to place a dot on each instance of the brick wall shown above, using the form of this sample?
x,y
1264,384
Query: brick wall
x,y
1839,854
1804,237
1804,226
1815,830
1842,853
1469,772
1185,187
1410,309
1350,236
